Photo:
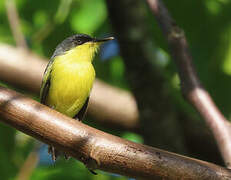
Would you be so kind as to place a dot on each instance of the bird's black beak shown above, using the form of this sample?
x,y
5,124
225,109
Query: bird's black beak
x,y
103,39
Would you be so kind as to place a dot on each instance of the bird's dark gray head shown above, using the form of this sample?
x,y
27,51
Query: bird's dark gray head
x,y
76,40
72,42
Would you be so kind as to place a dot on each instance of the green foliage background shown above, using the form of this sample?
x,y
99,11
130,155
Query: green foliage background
x,y
207,25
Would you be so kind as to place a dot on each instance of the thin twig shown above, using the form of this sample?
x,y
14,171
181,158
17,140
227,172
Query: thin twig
x,y
14,22
97,149
191,86
28,166
147,83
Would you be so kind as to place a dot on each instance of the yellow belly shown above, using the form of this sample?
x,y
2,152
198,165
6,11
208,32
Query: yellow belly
x,y
70,86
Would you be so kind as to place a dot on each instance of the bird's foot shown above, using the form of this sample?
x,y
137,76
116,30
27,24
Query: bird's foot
x,y
53,152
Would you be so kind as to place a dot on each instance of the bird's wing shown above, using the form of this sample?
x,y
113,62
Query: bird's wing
x,y
46,82
80,115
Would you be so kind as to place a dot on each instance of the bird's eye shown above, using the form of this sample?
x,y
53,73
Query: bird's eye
x,y
79,41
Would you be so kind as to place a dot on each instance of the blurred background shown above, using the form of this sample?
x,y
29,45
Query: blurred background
x,y
137,62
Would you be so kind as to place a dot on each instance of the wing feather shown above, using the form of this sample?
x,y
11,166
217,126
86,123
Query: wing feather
x,y
46,82
80,115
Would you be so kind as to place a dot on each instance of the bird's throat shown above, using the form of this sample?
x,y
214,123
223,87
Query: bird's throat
x,y
82,53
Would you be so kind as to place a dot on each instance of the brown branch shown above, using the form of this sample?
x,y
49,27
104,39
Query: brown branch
x,y
25,71
191,86
99,150
13,19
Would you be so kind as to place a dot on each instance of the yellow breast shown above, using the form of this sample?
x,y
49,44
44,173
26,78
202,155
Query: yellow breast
x,y
71,83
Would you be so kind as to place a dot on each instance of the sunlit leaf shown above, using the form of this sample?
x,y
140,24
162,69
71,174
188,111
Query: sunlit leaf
x,y
89,16
132,137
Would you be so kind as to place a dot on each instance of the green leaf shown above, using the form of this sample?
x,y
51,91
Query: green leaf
x,y
132,137
40,17
89,16
7,168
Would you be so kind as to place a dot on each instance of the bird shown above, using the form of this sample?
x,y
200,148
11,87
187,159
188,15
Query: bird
x,y
69,76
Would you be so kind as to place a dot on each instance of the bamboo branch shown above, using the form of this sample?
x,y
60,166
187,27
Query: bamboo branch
x,y
191,86
25,70
99,150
